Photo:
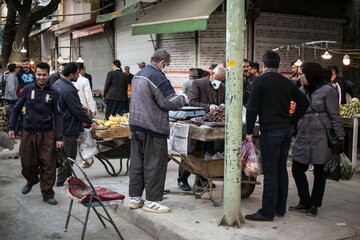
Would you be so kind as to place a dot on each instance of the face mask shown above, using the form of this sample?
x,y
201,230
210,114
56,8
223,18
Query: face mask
x,y
215,83
163,67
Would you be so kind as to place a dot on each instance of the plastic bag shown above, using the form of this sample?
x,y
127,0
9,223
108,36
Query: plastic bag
x,y
87,145
179,138
332,168
346,168
253,165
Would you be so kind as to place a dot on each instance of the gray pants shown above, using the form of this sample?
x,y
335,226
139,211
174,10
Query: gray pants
x,y
148,166
70,147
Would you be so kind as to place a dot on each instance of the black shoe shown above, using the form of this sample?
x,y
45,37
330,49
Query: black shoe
x,y
298,208
258,217
59,184
184,186
50,201
312,212
26,189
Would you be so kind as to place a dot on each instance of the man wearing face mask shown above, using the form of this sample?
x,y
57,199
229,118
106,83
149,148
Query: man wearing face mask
x,y
152,97
208,92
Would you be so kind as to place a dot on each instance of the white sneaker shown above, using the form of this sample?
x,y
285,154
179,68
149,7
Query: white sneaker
x,y
155,207
136,202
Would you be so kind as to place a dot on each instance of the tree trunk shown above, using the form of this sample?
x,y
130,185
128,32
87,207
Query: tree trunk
x,y
22,32
8,36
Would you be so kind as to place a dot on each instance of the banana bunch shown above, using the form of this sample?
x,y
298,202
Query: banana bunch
x,y
349,109
113,121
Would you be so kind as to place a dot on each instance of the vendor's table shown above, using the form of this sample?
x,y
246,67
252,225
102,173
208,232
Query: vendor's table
x,y
113,143
212,170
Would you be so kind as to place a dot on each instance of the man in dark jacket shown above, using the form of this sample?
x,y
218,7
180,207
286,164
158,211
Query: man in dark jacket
x,y
270,98
73,115
115,91
56,76
208,92
39,140
152,97
25,74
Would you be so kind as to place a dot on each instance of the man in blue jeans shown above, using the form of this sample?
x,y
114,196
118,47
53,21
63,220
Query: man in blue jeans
x,y
270,98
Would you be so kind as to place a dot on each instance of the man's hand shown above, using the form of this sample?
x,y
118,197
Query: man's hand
x,y
59,144
249,137
11,134
213,107
93,114
94,125
294,79
86,110
186,98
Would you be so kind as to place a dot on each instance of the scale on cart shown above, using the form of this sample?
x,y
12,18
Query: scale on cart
x,y
187,113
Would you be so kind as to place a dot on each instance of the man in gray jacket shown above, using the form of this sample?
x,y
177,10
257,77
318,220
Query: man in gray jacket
x,y
152,97
11,86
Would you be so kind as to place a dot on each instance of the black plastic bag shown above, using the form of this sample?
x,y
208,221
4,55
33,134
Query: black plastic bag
x,y
347,170
61,158
332,168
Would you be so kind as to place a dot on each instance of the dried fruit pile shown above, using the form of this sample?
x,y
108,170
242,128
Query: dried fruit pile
x,y
216,115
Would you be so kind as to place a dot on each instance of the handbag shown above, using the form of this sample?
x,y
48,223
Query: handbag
x,y
333,141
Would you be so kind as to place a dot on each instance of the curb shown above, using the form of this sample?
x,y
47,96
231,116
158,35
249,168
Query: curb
x,y
155,229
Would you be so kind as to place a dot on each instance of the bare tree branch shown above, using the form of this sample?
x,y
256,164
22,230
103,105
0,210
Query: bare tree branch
x,y
45,11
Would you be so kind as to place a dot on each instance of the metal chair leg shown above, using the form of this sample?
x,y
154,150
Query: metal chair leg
x,y
111,221
86,219
69,214
97,214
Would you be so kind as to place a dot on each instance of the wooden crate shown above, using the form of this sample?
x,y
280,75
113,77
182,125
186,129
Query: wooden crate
x,y
114,132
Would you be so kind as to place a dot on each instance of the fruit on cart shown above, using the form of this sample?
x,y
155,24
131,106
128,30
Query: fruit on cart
x,y
349,109
355,100
113,121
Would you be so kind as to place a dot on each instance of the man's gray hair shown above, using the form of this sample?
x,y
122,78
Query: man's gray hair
x,y
159,55
218,69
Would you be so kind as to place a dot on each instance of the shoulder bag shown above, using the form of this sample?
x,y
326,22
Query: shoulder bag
x,y
333,141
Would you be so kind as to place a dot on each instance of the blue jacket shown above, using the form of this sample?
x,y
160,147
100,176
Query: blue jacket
x,y
73,113
42,110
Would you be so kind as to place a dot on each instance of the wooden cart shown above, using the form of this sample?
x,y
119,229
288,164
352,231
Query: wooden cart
x,y
212,170
117,143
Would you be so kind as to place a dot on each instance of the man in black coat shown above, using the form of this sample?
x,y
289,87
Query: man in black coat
x,y
115,91
270,98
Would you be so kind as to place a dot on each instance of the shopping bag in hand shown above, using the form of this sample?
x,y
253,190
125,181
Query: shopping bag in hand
x,y
332,168
253,165
87,145
245,152
346,168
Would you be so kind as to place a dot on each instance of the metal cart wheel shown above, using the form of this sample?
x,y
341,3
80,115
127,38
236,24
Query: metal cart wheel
x,y
247,188
198,192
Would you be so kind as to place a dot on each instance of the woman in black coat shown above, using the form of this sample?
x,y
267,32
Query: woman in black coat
x,y
311,141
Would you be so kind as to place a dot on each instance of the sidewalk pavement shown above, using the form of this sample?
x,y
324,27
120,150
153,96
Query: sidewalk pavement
x,y
190,218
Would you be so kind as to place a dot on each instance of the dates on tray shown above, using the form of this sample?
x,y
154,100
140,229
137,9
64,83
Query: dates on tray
x,y
216,115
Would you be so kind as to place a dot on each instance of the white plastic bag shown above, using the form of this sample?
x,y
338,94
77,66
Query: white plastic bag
x,y
179,138
87,145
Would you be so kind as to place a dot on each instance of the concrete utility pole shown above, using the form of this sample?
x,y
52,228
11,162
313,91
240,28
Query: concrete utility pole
x,y
233,115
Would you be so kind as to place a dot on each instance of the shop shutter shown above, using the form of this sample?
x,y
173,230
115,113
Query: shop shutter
x,y
181,47
64,41
131,50
212,41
